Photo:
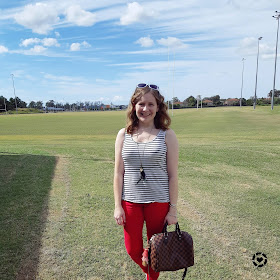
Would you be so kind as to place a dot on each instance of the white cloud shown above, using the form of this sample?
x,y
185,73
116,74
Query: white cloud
x,y
171,42
249,46
66,79
86,44
77,46
39,17
145,42
3,49
135,13
57,34
77,15
117,98
49,42
37,49
30,41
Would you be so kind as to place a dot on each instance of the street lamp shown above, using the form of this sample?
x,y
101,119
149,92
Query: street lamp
x,y
14,91
277,16
243,59
255,99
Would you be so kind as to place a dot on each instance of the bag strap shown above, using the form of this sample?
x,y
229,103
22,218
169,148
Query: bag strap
x,y
185,273
149,271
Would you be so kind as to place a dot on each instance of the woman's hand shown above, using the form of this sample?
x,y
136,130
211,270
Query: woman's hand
x,y
119,216
171,219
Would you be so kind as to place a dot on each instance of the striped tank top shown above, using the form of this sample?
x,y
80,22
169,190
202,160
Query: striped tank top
x,y
153,157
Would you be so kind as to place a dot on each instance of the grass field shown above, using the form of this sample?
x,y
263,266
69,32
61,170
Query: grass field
x,y
56,196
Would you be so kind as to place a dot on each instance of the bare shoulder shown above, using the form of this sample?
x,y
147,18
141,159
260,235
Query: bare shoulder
x,y
120,137
121,133
170,136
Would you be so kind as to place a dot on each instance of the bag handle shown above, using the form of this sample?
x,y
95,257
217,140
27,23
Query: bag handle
x,y
164,230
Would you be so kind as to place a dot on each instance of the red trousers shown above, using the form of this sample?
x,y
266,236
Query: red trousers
x,y
136,213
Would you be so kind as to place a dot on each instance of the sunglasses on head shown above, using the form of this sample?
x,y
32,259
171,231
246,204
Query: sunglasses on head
x,y
150,86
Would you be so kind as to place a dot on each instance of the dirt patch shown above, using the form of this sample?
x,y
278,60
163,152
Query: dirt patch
x,y
58,209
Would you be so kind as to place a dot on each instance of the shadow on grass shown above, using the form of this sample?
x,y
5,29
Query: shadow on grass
x,y
25,182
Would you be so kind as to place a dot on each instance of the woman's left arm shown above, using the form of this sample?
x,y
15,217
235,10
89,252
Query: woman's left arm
x,y
172,169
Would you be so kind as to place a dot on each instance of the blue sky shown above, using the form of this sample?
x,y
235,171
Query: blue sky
x,y
89,50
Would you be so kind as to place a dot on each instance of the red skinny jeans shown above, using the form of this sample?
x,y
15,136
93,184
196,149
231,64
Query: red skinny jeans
x,y
136,213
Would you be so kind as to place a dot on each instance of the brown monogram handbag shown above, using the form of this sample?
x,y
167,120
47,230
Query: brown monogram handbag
x,y
170,251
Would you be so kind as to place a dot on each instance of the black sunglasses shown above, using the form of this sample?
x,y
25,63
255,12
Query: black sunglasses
x,y
150,86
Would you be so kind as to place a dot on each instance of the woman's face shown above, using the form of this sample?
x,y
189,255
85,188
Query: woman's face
x,y
146,108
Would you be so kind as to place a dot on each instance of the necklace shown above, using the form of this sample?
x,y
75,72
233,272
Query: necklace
x,y
142,172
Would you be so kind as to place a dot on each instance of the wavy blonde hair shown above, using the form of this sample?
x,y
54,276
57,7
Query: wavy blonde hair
x,y
161,120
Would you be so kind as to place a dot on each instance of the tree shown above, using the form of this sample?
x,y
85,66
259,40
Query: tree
x,y
250,101
67,106
31,104
216,100
243,102
39,105
50,103
20,103
263,101
87,105
176,99
185,103
59,105
73,107
276,93
3,103
191,101
12,104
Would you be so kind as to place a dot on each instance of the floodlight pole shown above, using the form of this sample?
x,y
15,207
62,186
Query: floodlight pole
x,y
198,99
168,80
12,75
173,82
5,105
277,16
243,59
255,98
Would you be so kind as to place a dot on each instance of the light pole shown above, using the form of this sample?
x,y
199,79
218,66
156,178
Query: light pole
x,y
277,16
5,105
14,91
255,98
243,59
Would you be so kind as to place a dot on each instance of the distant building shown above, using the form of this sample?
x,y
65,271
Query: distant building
x,y
207,102
53,109
178,105
231,102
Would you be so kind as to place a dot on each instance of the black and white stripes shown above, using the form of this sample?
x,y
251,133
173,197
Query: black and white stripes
x,y
153,157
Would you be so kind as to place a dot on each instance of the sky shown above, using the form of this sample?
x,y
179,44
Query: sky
x,y
86,50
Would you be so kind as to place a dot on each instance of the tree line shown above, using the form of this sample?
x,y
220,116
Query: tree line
x,y
15,103
12,104
215,101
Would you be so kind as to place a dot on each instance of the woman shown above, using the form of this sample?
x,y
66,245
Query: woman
x,y
145,178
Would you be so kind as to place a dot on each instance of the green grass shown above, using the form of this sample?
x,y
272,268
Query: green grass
x,y
56,173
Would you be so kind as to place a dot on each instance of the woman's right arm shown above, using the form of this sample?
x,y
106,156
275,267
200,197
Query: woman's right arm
x,y
118,179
